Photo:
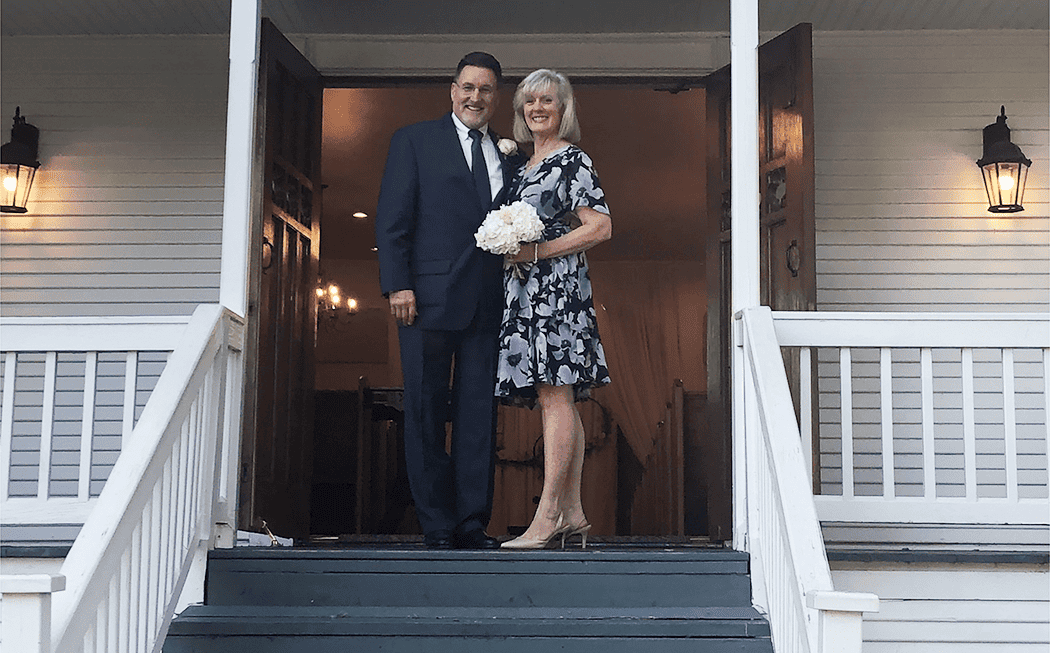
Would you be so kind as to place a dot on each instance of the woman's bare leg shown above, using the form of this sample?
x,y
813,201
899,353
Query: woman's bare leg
x,y
572,505
559,443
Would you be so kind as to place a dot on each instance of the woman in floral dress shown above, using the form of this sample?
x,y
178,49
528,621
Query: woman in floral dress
x,y
550,353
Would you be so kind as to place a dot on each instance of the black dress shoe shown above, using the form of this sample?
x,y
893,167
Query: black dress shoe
x,y
438,541
476,539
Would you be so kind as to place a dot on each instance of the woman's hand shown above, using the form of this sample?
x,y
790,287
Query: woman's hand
x,y
595,227
527,254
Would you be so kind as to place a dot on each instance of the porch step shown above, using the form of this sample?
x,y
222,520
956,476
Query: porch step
x,y
275,599
603,578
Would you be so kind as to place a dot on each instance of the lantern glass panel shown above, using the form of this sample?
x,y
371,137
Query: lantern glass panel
x,y
17,181
1004,183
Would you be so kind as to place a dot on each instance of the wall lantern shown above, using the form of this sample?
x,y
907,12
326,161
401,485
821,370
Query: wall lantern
x,y
19,164
1005,168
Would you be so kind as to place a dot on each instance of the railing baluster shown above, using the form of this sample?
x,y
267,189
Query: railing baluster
x,y
969,429
805,409
100,626
124,612
144,576
182,506
1010,422
7,422
187,434
846,418
113,614
929,460
135,588
156,546
47,419
131,369
87,425
168,552
886,405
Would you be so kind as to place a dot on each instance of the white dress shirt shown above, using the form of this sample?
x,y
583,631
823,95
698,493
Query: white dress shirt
x,y
488,148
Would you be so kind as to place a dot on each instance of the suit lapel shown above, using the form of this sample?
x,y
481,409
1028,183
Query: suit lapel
x,y
454,148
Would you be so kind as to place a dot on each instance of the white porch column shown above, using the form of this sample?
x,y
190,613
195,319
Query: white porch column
x,y
245,16
245,20
743,45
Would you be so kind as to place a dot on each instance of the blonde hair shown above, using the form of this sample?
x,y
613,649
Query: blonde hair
x,y
538,81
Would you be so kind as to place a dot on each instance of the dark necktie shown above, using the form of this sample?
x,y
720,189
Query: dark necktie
x,y
481,171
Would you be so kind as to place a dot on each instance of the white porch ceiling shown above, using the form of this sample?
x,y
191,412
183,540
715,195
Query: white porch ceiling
x,y
117,17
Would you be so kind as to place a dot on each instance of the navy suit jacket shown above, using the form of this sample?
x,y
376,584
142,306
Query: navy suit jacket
x,y
425,223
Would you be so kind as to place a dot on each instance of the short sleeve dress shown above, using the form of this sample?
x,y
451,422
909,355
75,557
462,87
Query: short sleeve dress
x,y
549,333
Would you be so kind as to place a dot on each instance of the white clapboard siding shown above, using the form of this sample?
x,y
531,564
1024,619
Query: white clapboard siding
x,y
126,212
958,608
901,217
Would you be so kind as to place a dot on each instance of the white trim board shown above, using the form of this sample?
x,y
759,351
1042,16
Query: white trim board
x,y
425,55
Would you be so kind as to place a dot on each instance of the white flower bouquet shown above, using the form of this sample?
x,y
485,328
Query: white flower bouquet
x,y
506,228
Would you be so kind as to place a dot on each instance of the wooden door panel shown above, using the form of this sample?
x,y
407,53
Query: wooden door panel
x,y
786,246
277,451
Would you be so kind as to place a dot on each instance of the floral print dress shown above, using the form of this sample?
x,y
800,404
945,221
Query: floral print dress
x,y
549,333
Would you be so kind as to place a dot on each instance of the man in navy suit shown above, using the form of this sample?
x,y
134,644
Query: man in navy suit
x,y
441,179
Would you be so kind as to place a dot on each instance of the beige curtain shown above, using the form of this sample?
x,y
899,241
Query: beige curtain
x,y
650,318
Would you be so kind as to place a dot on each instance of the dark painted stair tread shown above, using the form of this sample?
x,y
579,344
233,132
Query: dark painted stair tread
x,y
405,599
467,644
474,622
602,561
469,578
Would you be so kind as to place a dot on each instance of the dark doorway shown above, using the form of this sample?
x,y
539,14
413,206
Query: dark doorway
x,y
647,146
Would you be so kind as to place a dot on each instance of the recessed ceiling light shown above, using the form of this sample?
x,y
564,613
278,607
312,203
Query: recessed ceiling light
x,y
360,214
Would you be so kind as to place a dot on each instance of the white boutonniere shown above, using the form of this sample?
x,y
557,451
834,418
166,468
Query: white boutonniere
x,y
507,146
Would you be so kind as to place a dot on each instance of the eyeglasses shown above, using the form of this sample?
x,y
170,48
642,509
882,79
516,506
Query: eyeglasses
x,y
469,89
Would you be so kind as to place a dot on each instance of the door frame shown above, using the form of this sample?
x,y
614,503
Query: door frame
x,y
406,57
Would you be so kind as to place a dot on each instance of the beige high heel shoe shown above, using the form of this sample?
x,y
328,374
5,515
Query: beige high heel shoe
x,y
580,530
523,542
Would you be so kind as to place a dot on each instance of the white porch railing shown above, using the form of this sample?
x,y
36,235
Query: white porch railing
x,y
926,418
72,391
165,502
790,574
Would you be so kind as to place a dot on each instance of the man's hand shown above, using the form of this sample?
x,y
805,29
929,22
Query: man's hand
x,y
403,306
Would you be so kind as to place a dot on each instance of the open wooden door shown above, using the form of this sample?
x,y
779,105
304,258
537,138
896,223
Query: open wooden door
x,y
788,266
277,450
